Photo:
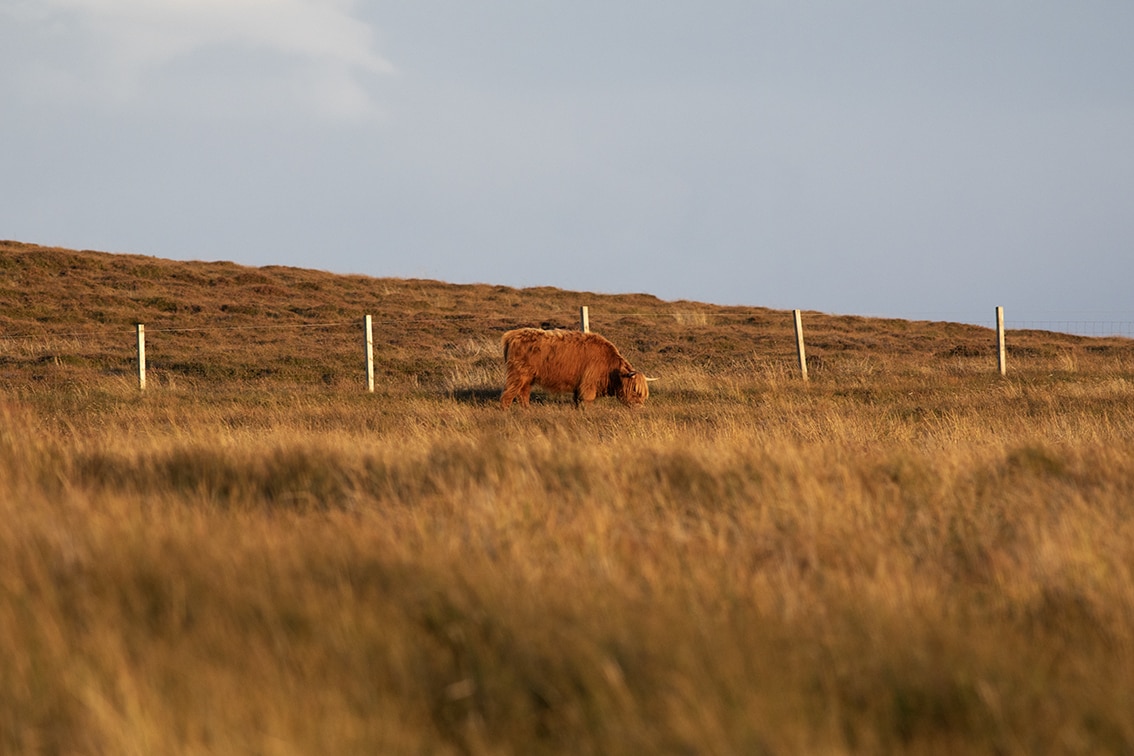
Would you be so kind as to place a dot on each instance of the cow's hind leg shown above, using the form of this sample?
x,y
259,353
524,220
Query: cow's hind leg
x,y
516,386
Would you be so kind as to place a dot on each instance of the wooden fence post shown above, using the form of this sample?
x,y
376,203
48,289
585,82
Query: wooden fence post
x,y
141,357
584,319
1001,355
799,344
369,326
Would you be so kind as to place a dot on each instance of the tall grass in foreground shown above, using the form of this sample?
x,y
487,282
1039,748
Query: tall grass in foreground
x,y
748,565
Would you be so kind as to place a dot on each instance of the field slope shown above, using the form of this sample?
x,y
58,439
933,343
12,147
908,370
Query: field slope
x,y
909,553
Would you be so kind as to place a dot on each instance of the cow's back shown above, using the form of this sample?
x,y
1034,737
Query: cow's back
x,y
557,360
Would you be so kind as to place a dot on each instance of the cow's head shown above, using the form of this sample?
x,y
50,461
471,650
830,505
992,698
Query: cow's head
x,y
633,388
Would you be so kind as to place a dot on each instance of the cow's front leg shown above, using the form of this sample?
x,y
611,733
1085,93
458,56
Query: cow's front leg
x,y
584,396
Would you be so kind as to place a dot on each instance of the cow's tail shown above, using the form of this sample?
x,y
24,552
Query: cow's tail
x,y
506,341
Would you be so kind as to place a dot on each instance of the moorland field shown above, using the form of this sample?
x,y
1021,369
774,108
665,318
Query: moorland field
x,y
907,554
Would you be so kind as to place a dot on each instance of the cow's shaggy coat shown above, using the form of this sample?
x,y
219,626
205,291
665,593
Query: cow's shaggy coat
x,y
585,364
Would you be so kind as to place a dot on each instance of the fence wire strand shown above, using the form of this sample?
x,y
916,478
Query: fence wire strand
x,y
1088,328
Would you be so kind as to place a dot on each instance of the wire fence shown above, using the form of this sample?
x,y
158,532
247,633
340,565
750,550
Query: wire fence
x,y
54,343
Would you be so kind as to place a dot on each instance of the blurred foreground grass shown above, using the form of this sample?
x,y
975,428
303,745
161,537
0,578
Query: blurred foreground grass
x,y
926,562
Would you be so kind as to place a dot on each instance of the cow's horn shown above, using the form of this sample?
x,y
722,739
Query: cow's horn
x,y
651,380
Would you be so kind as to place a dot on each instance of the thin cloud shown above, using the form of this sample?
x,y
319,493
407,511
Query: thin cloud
x,y
315,54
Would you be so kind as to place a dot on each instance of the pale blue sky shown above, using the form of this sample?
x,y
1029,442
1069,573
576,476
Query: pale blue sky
x,y
921,160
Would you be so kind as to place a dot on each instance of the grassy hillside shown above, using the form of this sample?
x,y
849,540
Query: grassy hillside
x,y
908,554
68,315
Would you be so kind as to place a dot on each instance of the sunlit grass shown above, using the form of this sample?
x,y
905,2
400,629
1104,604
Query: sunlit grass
x,y
745,565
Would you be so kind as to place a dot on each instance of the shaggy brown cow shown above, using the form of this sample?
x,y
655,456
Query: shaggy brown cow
x,y
585,364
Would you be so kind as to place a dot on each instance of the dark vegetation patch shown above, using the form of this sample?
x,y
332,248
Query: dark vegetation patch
x,y
967,350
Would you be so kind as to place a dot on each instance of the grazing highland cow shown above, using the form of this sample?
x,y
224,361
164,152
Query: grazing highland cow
x,y
585,364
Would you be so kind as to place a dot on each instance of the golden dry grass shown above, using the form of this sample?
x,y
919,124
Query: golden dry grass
x,y
909,554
